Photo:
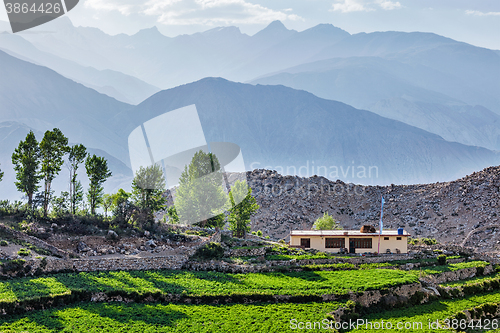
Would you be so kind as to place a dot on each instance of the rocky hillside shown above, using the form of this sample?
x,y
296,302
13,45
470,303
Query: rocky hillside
x,y
463,211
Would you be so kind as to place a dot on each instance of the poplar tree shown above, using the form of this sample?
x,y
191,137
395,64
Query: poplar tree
x,y
243,206
53,147
200,194
26,161
77,154
98,172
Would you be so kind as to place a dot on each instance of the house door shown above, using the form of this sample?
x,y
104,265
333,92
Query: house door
x,y
352,249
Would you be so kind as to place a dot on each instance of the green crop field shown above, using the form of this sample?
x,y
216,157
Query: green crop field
x,y
112,317
201,298
204,283
424,314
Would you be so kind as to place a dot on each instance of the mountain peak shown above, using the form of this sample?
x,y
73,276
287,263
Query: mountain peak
x,y
276,25
275,29
152,32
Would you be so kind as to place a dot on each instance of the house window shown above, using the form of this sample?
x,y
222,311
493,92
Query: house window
x,y
305,242
334,243
386,238
362,243
398,238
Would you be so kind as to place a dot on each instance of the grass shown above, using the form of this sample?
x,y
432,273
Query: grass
x,y
204,283
112,317
473,281
450,267
438,310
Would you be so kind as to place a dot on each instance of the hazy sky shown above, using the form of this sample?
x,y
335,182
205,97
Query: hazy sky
x,y
473,21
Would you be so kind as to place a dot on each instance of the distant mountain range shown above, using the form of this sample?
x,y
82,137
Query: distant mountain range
x,y
277,127
435,83
398,91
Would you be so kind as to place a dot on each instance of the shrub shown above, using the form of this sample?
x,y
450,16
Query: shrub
x,y
441,259
210,251
13,265
4,243
259,233
24,252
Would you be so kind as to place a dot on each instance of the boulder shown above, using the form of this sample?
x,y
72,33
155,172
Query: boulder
x,y
82,247
112,234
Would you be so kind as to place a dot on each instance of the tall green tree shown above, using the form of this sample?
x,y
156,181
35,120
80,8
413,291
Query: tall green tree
x,y
243,206
26,160
77,154
122,207
53,147
107,203
148,187
98,172
326,222
200,194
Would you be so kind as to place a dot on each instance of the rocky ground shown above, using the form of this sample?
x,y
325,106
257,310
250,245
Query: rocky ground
x,y
464,211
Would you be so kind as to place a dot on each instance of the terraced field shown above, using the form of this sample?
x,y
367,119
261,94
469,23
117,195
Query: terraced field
x,y
198,303
204,283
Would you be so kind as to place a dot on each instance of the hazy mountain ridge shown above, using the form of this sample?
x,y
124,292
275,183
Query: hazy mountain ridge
x,y
278,126
122,87
394,90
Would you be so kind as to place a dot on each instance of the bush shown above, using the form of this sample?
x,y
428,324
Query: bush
x,y
211,250
24,252
259,233
4,243
13,265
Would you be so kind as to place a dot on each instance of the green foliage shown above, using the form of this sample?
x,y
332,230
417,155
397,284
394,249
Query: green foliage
x,y
430,312
26,161
4,243
107,203
24,252
77,154
190,283
259,233
61,204
116,317
200,194
326,222
148,187
98,173
243,206
422,241
1,175
452,267
173,218
122,207
211,250
15,265
53,147
441,259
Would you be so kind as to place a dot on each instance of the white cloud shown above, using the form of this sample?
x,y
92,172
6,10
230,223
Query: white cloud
x,y
478,13
347,6
388,5
196,12
108,6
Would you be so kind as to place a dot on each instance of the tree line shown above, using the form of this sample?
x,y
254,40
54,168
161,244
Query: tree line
x,y
37,164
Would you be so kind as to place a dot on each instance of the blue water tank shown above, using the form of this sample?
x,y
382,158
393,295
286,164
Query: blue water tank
x,y
400,231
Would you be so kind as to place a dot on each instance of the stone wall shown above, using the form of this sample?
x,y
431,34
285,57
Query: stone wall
x,y
251,252
460,274
35,241
127,264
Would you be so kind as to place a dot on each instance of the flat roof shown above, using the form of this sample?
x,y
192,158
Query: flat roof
x,y
343,233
